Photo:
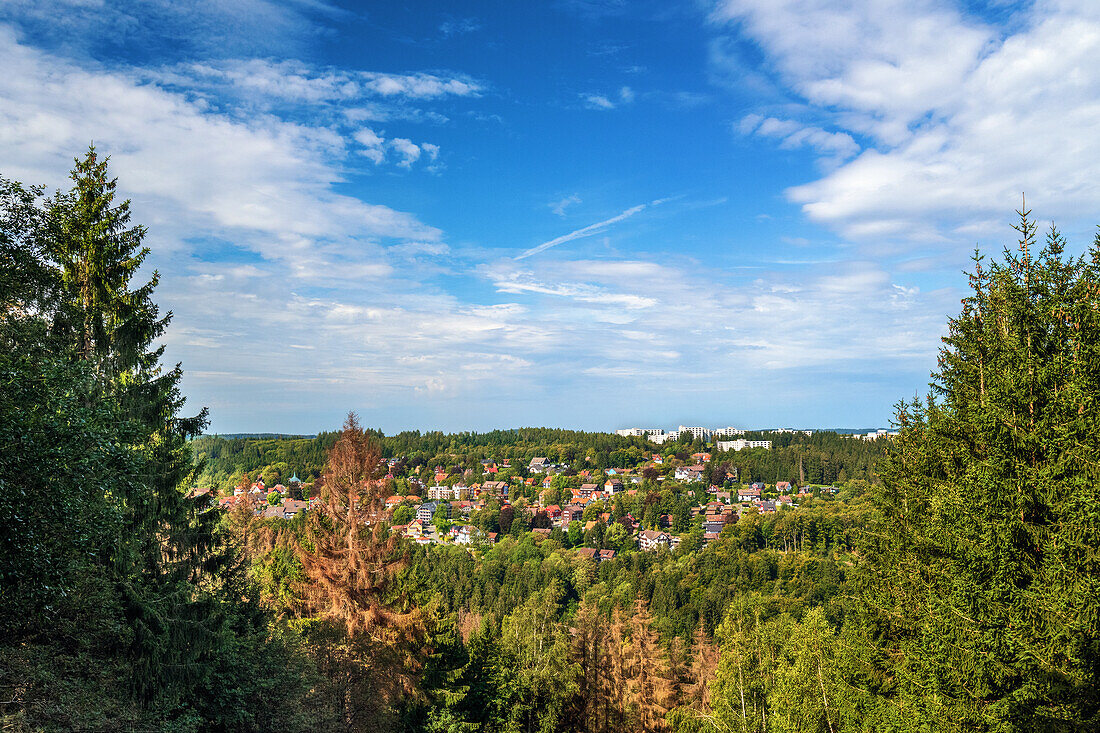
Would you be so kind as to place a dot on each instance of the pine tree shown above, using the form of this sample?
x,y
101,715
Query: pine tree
x,y
982,582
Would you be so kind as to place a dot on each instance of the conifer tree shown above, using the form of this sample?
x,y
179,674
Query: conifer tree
x,y
167,547
647,670
366,638
982,585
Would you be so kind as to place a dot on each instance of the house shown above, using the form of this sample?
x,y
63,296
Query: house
x,y
658,459
538,465
414,529
613,486
553,511
437,493
785,500
272,512
585,490
492,537
651,540
713,526
495,488
589,553
723,496
748,494
465,534
237,500
425,511
765,507
547,482
291,507
759,485
783,487
393,501
607,555
689,473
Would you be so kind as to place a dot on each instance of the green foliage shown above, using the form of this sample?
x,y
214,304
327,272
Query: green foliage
x,y
403,514
985,568
126,606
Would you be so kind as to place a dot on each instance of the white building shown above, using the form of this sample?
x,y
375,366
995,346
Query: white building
x,y
740,444
697,433
876,435
726,432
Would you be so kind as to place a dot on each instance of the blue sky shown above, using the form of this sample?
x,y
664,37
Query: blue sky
x,y
583,213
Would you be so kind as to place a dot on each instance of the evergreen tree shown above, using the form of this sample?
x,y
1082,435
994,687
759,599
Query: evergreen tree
x,y
983,576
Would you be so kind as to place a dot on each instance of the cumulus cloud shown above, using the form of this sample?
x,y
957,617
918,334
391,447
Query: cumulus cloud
x,y
958,116
407,149
372,144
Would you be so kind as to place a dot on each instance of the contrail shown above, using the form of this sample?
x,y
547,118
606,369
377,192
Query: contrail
x,y
588,230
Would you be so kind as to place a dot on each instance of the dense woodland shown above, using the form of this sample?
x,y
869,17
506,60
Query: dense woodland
x,y
821,458
952,585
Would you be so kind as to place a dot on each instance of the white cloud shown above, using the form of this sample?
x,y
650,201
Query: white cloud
x,y
625,95
289,80
372,144
459,26
407,149
597,101
959,116
559,207
791,134
419,86
191,29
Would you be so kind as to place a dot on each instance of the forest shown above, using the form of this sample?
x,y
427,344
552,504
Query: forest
x,y
821,458
953,584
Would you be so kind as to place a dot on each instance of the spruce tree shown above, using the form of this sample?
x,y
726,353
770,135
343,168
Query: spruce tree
x,y
167,558
982,584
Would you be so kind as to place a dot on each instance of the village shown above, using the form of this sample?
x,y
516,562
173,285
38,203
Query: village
x,y
649,507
